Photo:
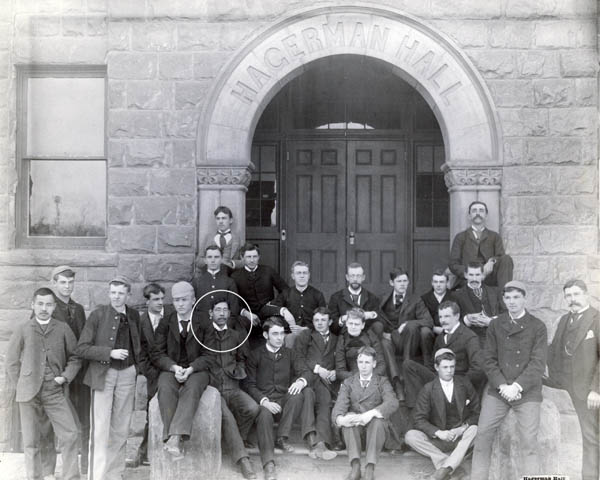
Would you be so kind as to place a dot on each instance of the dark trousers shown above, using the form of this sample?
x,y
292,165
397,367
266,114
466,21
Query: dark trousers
x,y
178,402
415,377
502,272
238,412
291,407
323,398
589,421
374,435
51,401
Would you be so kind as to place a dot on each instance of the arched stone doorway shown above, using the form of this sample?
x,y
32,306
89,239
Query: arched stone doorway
x,y
421,56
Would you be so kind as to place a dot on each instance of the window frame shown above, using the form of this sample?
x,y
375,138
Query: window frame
x,y
24,73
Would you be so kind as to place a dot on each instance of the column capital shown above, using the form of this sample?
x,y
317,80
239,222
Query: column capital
x,y
472,176
239,176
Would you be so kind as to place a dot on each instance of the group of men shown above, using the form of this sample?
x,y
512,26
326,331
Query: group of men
x,y
345,370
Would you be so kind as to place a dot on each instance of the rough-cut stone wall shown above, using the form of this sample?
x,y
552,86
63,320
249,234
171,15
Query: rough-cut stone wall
x,y
539,60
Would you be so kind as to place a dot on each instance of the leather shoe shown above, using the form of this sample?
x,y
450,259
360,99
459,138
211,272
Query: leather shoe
x,y
173,447
282,444
338,446
270,473
369,472
249,444
441,473
246,468
355,472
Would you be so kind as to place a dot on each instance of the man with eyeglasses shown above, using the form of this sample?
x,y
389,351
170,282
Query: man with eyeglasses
x,y
574,365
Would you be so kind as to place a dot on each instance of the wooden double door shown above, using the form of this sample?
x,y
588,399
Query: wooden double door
x,y
347,200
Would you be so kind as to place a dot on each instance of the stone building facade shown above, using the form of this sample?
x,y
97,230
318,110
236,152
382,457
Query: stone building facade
x,y
513,86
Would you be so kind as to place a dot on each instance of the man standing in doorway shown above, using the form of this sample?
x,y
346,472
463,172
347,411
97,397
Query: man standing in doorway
x,y
574,365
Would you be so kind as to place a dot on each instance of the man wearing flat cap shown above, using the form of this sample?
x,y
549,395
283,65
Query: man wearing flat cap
x,y
514,362
110,341
184,369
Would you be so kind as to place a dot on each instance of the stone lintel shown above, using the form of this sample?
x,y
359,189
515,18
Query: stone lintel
x,y
223,176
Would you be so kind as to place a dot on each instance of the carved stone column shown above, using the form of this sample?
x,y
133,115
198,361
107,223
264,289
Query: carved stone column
x,y
222,186
467,184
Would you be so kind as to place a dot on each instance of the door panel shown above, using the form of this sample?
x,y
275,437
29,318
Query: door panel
x,y
378,208
315,219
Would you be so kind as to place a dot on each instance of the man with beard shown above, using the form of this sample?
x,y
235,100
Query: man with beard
x,y
514,362
354,296
228,355
184,367
478,244
479,303
438,294
461,341
574,365
351,340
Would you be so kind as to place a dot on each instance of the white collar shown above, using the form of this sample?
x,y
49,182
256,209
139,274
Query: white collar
x,y
353,292
213,272
439,297
519,316
157,315
250,270
367,379
453,329
447,383
401,295
43,322
301,290
219,232
581,311
271,349
219,329
478,230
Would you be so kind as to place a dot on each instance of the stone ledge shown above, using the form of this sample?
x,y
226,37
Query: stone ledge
x,y
46,257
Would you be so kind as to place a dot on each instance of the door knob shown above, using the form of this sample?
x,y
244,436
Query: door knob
x,y
351,238
283,235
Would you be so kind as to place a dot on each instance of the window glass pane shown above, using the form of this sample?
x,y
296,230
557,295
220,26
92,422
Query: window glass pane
x,y
67,198
439,158
424,186
65,117
440,213
424,216
267,159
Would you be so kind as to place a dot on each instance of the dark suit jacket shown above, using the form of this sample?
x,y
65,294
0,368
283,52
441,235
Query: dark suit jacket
x,y
430,409
72,314
312,350
431,302
98,339
412,310
340,302
586,357
166,350
271,378
346,354
301,305
465,345
352,398
465,249
230,253
516,353
30,349
204,282
491,295
147,339
258,292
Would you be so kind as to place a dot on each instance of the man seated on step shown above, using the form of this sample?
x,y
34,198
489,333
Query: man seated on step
x,y
354,296
297,304
228,354
184,369
479,303
316,348
224,238
351,340
214,275
446,417
438,294
277,380
364,405
407,327
463,343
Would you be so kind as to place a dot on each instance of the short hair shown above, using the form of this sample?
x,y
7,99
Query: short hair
x,y
478,202
575,282
451,305
477,265
321,311
248,247
223,209
367,350
273,321
117,283
356,313
152,289
444,356
64,273
398,272
219,299
354,265
299,263
213,247
440,272
42,292
514,289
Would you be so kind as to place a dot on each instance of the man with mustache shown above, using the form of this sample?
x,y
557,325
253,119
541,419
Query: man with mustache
x,y
574,365
479,303
478,244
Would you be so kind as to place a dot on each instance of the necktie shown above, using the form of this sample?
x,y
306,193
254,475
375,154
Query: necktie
x,y
364,383
398,302
220,334
184,327
478,292
446,336
325,338
222,240
355,298
476,235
